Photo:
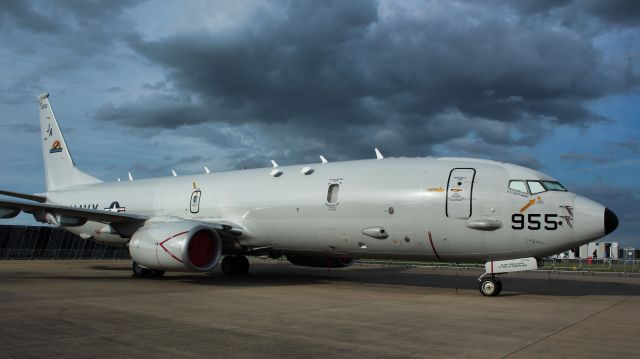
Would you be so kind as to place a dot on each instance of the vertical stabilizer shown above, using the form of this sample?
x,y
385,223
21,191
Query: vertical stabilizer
x,y
59,169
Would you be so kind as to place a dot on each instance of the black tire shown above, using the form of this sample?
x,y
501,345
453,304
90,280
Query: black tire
x,y
241,265
228,265
157,273
499,283
140,271
489,287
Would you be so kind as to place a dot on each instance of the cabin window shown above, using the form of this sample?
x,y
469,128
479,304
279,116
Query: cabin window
x,y
535,187
332,193
518,186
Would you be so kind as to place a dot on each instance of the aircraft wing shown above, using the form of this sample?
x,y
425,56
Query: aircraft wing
x,y
124,223
31,197
9,209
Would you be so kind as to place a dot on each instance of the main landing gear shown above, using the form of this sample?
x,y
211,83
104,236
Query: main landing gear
x,y
235,265
490,286
142,272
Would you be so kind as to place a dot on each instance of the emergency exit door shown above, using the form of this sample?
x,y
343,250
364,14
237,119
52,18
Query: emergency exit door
x,y
459,193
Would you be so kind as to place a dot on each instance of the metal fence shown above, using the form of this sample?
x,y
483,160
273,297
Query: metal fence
x,y
593,265
41,242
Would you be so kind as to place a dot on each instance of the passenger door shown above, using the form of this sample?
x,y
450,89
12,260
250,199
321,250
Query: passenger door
x,y
459,193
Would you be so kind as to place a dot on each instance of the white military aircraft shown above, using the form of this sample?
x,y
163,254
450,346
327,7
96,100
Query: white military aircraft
x,y
319,215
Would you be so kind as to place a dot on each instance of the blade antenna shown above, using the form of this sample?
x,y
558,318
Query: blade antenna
x,y
379,155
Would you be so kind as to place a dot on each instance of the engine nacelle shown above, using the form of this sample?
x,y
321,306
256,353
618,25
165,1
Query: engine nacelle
x,y
176,246
320,261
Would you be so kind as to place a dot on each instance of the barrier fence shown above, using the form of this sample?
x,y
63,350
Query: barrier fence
x,y
43,242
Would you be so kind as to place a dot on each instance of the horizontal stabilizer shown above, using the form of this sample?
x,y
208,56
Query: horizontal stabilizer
x,y
31,197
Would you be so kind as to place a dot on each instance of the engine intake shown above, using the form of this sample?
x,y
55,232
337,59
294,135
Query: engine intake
x,y
320,261
176,246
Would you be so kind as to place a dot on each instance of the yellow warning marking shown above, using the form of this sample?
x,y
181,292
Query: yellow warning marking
x,y
439,189
526,206
456,190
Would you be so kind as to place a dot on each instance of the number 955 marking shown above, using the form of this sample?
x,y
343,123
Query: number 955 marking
x,y
534,221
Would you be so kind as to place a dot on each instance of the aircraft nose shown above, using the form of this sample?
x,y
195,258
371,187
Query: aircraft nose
x,y
610,221
589,220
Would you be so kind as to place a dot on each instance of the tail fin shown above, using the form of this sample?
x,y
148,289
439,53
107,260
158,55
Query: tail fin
x,y
59,169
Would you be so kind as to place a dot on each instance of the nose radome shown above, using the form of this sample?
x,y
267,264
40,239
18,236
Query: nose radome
x,y
589,220
610,221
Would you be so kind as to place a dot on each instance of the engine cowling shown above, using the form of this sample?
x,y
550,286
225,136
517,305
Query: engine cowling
x,y
176,246
320,261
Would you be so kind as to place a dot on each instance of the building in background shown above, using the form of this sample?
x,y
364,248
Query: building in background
x,y
594,250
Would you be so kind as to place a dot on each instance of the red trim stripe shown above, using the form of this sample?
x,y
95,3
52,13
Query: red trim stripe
x,y
433,247
170,238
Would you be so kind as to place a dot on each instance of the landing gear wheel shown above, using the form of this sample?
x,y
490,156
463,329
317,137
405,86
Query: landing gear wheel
x,y
140,271
241,265
499,286
227,265
157,273
490,286
234,265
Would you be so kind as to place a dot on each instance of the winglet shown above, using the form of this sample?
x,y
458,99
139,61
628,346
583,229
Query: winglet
x,y
174,173
130,176
324,160
206,170
274,163
379,155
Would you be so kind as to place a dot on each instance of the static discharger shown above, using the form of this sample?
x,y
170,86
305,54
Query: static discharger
x,y
130,176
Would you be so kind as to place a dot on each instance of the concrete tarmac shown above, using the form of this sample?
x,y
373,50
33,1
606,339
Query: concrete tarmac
x,y
85,309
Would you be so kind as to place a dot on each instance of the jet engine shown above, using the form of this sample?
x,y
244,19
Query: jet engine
x,y
176,246
320,261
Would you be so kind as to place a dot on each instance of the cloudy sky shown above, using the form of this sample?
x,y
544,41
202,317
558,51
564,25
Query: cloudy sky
x,y
147,86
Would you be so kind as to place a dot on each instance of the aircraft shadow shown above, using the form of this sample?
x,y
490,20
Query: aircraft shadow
x,y
400,276
289,275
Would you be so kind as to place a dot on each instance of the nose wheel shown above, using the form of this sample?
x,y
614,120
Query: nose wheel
x,y
490,286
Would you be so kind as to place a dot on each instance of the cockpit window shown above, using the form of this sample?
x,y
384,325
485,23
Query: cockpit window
x,y
553,186
518,186
535,187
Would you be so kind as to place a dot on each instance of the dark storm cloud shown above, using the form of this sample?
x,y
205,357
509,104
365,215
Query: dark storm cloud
x,y
83,28
571,12
350,75
580,157
24,15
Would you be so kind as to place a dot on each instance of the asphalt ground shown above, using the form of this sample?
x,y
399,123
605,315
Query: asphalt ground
x,y
85,309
